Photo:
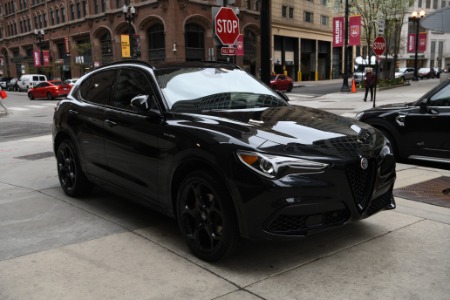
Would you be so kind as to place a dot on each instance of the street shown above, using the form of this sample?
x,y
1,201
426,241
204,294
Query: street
x,y
106,247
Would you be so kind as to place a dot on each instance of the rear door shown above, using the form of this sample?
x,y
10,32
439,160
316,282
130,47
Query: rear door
x,y
86,119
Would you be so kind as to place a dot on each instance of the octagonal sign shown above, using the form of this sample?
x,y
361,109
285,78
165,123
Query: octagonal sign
x,y
379,45
226,25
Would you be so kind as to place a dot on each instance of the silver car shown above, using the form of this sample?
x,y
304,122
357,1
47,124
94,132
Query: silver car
x,y
404,73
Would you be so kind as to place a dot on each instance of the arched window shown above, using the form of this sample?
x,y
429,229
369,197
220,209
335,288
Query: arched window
x,y
194,39
106,46
250,46
156,43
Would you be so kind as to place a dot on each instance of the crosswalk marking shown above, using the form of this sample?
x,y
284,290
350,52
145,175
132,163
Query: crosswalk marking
x,y
31,107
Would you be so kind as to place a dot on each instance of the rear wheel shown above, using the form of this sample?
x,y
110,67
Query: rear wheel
x,y
289,88
70,174
206,217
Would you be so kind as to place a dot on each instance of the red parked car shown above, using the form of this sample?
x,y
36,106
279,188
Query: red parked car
x,y
281,82
49,89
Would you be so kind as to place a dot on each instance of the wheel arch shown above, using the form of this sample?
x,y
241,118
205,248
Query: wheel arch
x,y
189,165
387,127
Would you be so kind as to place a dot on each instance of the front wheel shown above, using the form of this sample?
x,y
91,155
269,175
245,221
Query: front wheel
x,y
49,96
30,96
70,174
391,143
206,217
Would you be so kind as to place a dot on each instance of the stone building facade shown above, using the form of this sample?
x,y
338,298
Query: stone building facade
x,y
80,35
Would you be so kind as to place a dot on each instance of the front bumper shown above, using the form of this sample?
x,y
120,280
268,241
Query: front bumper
x,y
297,206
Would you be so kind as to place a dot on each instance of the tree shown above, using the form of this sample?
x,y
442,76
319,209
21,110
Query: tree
x,y
391,11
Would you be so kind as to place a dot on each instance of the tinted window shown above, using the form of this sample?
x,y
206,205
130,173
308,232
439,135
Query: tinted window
x,y
35,78
130,83
42,78
441,98
97,88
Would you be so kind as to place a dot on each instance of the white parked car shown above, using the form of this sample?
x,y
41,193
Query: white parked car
x,y
27,81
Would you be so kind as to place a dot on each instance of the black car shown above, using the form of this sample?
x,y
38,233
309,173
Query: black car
x,y
418,130
224,154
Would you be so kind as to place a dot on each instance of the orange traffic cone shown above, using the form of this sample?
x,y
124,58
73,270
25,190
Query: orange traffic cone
x,y
353,86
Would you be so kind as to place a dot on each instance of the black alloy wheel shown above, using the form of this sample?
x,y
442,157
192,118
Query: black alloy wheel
x,y
206,217
71,176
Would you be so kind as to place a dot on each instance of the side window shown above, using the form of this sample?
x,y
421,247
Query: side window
x,y
441,98
131,83
42,78
35,78
97,88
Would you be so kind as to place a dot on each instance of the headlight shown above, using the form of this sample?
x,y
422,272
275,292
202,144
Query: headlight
x,y
272,166
359,115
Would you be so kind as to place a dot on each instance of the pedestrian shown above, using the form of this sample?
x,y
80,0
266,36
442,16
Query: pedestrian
x,y
369,83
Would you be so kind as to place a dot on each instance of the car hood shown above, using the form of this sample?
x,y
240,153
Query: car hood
x,y
295,129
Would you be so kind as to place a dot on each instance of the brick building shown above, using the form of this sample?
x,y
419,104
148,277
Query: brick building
x,y
80,35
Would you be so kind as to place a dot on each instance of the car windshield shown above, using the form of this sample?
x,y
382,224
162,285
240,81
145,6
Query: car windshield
x,y
57,82
400,70
199,89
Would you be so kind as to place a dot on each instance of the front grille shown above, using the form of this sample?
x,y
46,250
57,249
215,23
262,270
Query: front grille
x,y
361,183
379,203
300,224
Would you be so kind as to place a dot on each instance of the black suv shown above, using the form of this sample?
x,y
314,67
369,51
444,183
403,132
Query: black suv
x,y
228,157
417,130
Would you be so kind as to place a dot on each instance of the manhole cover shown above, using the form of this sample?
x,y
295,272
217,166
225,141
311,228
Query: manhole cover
x,y
37,156
435,191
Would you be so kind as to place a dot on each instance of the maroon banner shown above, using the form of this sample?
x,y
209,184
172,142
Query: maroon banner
x,y
412,42
354,36
67,45
46,57
422,42
240,45
338,31
37,58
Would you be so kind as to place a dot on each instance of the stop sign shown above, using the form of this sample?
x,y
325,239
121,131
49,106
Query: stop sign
x,y
226,25
379,45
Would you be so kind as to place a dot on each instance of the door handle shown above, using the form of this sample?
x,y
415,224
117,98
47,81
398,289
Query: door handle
x,y
110,123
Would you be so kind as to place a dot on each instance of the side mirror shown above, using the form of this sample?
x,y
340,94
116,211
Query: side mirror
x,y
140,103
424,106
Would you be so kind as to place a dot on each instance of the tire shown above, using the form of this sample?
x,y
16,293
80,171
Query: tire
x,y
289,88
30,96
70,174
274,87
49,96
206,217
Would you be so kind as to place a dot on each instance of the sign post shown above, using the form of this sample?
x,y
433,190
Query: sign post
x,y
226,27
379,46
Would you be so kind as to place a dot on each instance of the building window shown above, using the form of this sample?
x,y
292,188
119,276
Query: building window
x,y
324,20
57,16
194,39
308,17
72,11
78,10
435,4
63,14
287,11
324,2
156,43
428,4
52,17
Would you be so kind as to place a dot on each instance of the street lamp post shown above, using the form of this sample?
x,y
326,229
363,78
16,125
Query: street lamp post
x,y
345,87
129,13
416,17
39,41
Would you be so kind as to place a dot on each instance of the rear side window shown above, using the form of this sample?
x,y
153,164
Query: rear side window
x,y
97,88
